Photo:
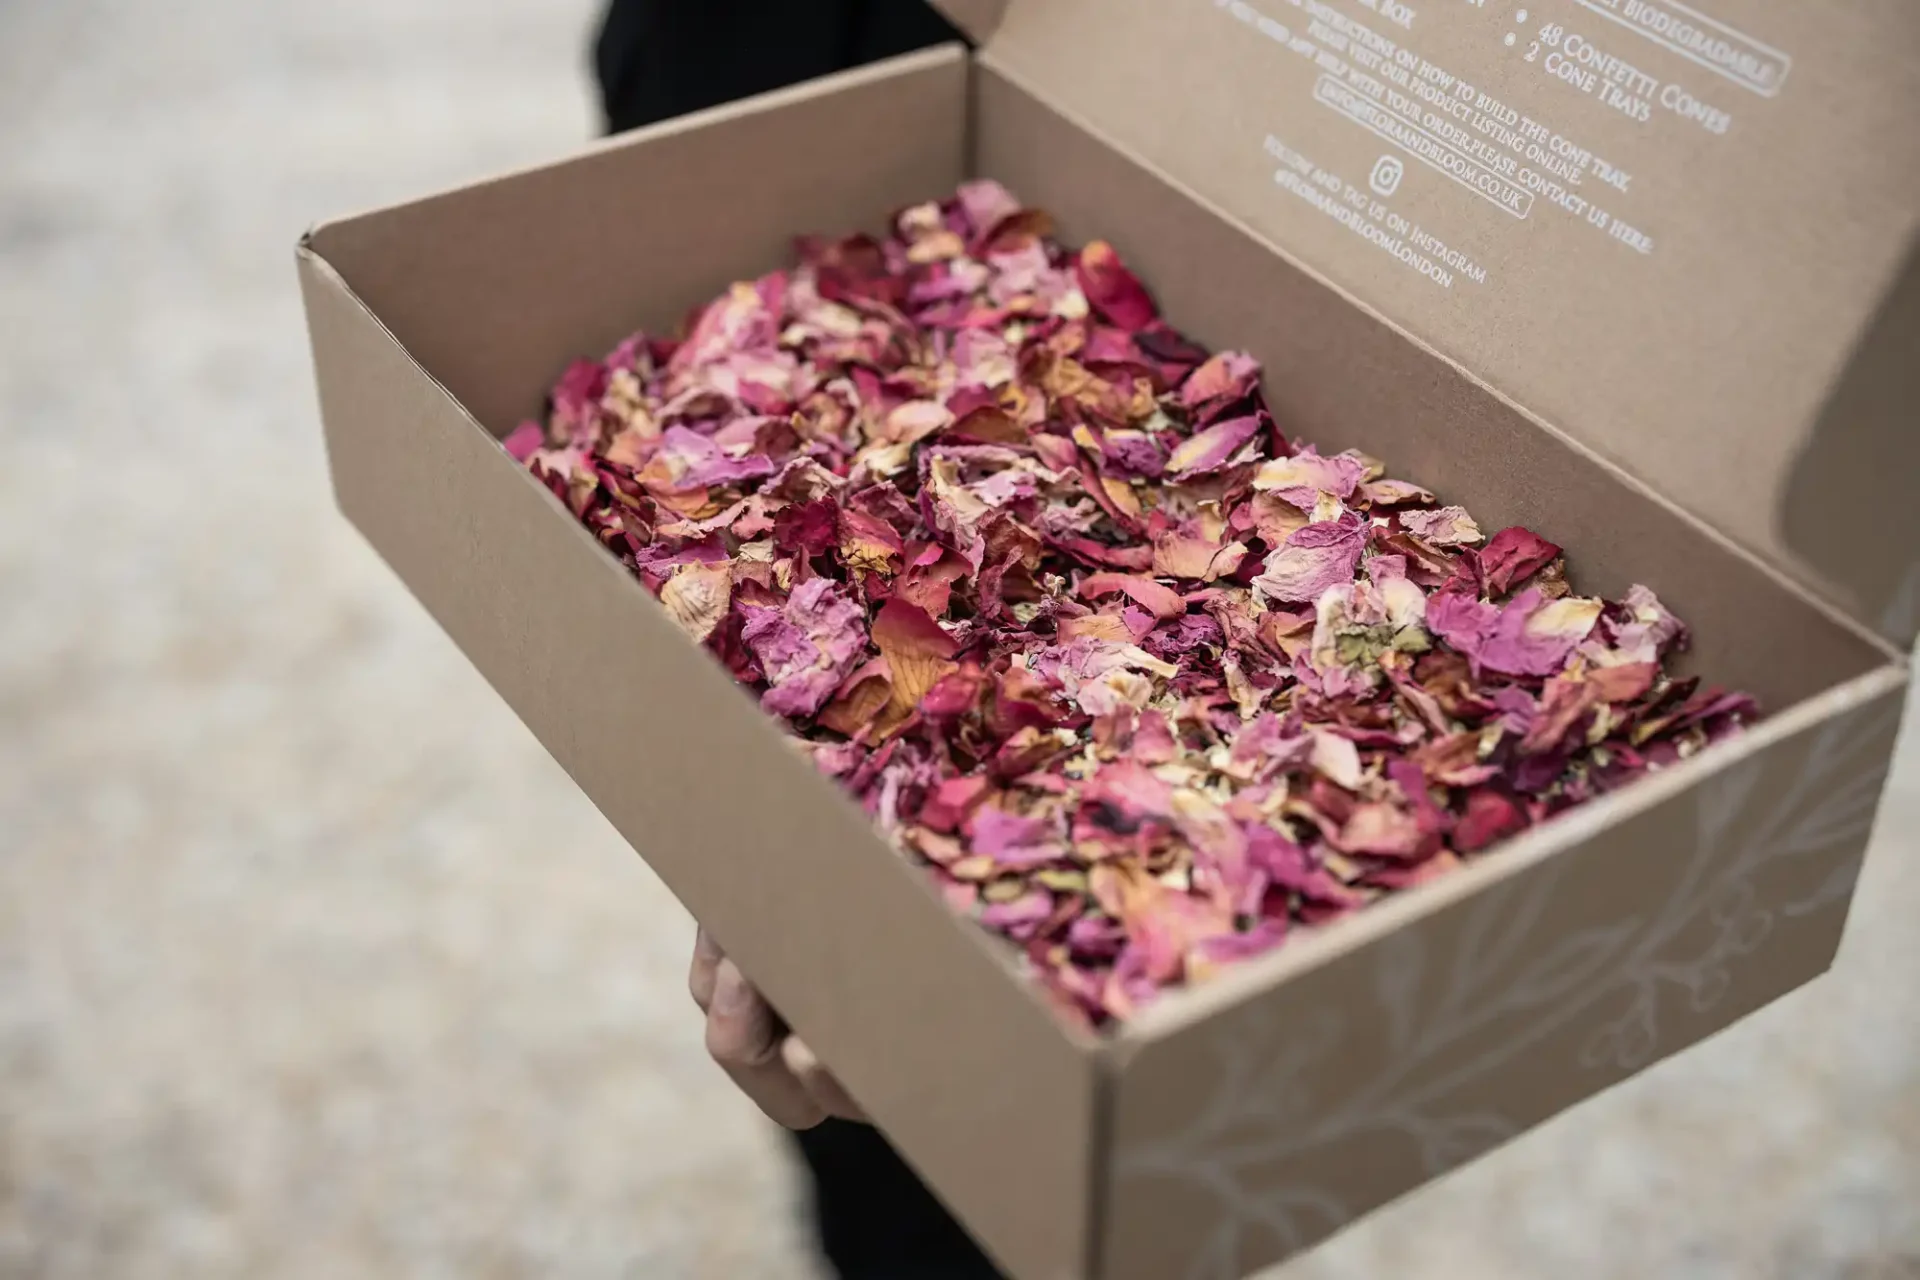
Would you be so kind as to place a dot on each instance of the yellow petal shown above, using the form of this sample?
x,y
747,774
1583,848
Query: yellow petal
x,y
697,595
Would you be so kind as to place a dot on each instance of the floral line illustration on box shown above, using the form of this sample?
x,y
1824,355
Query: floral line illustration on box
x,y
1435,1011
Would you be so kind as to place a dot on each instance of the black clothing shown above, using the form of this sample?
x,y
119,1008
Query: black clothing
x,y
874,1219
661,58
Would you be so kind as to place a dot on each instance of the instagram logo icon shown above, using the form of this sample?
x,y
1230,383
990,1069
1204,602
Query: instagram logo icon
x,y
1386,175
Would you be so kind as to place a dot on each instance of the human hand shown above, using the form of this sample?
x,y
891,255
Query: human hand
x,y
747,1039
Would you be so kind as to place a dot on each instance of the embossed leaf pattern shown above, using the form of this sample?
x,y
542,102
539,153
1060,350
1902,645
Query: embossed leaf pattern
x,y
1449,1143
1455,1016
1572,966
1829,804
1263,1115
1403,957
1837,887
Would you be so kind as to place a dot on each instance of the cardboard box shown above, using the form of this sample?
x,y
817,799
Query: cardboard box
x,y
1661,365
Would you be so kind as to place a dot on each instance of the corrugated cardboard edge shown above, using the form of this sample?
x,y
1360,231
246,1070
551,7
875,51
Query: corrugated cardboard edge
x,y
993,1026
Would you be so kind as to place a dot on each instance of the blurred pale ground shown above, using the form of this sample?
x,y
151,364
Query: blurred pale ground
x,y
313,965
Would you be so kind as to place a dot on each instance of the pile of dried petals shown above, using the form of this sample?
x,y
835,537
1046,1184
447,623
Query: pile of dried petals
x,y
1041,583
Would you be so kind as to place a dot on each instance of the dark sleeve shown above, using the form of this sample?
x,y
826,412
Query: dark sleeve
x,y
874,1220
661,58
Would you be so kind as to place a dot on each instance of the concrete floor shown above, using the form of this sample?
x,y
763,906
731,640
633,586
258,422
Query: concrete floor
x,y
313,965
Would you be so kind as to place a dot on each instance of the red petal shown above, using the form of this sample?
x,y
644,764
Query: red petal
x,y
1512,556
1112,290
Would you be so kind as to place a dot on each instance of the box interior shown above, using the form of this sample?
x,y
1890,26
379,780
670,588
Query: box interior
x,y
494,288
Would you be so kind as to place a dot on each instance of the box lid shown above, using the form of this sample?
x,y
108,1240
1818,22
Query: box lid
x,y
1683,234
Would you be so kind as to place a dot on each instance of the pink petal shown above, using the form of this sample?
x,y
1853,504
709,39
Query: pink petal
x,y
1212,448
1314,559
1444,527
1302,478
524,440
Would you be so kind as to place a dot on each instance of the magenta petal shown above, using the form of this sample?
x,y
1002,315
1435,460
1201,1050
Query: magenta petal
x,y
986,204
578,392
1012,840
1462,620
807,648
1211,449
524,440
1226,376
1262,938
1314,559
1018,918
1535,636
699,461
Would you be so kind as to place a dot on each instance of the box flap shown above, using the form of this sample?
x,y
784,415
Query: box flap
x,y
1685,234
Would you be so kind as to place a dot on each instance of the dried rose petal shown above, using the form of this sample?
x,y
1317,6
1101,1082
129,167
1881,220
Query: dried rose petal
x,y
1211,449
1301,479
1139,683
1112,290
919,654
1512,556
1462,619
1445,527
1335,758
697,596
524,440
1391,493
1623,683
1226,378
861,706
1162,602
1314,559
1014,840
985,204
807,648
1489,816
1381,829
1535,636
1187,553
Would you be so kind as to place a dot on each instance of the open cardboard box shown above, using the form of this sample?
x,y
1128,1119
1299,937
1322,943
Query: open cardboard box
x,y
1648,410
